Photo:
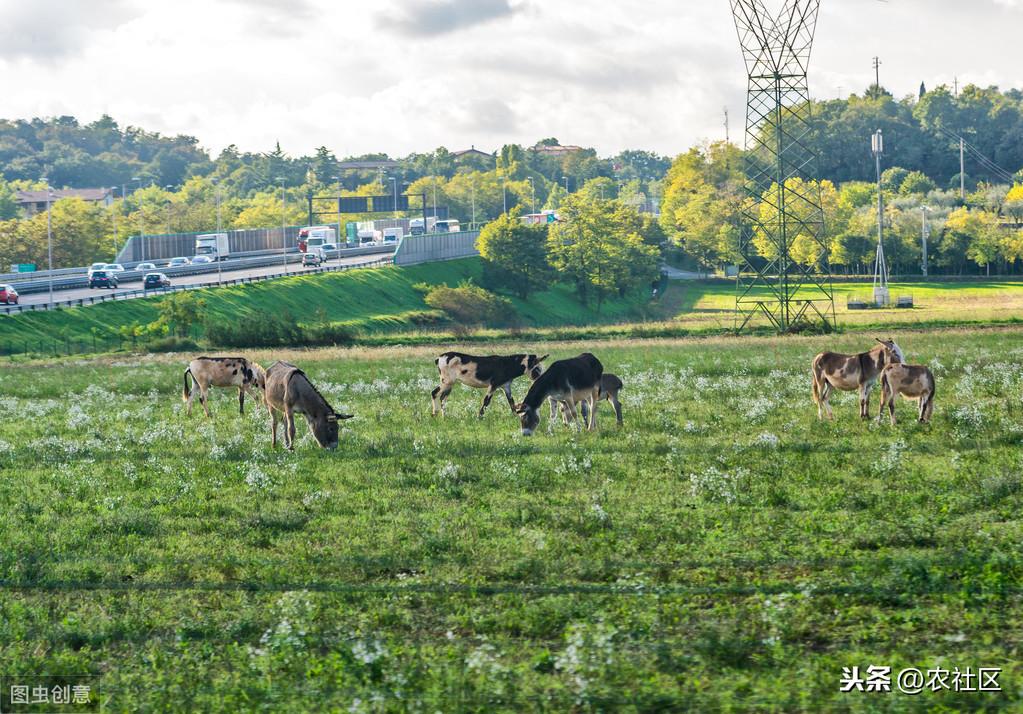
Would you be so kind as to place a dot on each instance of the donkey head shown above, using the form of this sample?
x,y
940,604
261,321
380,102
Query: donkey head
x,y
892,353
533,367
325,429
529,418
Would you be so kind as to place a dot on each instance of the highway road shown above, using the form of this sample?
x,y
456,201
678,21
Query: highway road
x,y
296,268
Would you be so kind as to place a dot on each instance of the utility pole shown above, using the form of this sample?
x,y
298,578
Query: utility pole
x,y
728,138
881,295
49,236
877,77
962,169
925,234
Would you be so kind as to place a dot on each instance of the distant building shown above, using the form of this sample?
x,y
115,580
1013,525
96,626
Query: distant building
x,y
472,153
32,202
556,150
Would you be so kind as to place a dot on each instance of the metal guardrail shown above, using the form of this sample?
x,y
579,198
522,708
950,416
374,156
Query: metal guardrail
x,y
80,280
140,293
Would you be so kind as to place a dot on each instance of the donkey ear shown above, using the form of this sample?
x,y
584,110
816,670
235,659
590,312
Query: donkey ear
x,y
879,340
342,417
542,359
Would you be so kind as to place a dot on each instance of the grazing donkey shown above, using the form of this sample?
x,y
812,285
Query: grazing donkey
x,y
209,372
490,373
912,382
289,391
832,371
570,381
610,386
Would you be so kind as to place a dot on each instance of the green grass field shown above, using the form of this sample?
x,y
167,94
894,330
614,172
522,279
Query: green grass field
x,y
723,551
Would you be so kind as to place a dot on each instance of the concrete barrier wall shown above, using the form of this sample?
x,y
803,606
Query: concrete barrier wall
x,y
437,246
172,245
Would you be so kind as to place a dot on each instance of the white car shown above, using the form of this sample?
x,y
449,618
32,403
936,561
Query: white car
x,y
143,267
201,260
178,262
113,268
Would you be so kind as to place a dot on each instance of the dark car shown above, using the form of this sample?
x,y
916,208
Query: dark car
x,y
8,295
103,279
153,281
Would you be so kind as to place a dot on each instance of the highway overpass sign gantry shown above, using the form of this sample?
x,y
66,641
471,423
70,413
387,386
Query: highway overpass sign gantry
x,y
782,216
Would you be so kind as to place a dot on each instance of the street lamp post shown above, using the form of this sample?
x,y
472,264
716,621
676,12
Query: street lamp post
x,y
284,227
49,236
338,179
394,180
220,258
142,224
565,179
925,234
113,212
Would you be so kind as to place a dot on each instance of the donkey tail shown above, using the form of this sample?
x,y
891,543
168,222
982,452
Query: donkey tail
x,y
186,390
817,377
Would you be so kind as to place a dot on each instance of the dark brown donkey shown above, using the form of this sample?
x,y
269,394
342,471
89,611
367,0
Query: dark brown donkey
x,y
832,371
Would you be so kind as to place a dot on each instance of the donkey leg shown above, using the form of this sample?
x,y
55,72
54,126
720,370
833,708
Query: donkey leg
x,y
593,402
618,409
241,400
204,396
826,398
273,428
508,396
440,394
289,417
486,402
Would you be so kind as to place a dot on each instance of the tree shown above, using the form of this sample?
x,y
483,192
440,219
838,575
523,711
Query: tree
x,y
8,204
1014,203
916,183
597,245
514,255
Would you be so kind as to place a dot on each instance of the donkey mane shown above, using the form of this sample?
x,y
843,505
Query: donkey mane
x,y
313,387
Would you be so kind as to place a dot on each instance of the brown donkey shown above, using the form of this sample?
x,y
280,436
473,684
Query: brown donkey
x,y
912,382
832,371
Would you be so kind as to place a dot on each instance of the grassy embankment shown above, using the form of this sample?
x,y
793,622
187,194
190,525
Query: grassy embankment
x,y
382,307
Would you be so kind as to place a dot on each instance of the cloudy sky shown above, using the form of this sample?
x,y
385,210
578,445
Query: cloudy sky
x,y
409,75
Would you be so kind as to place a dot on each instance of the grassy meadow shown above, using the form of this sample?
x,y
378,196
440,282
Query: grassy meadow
x,y
723,551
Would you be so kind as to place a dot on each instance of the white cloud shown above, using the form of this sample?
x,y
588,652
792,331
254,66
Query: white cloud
x,y
409,75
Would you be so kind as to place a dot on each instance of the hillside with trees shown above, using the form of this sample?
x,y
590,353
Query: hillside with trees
x,y
173,184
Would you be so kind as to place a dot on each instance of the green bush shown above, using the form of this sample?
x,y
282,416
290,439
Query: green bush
x,y
262,329
471,304
172,344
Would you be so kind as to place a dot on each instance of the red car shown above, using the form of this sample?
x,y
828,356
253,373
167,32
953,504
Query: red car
x,y
8,295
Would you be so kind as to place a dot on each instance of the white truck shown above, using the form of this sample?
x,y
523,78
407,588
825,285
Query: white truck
x,y
215,245
393,235
369,238
316,237
417,227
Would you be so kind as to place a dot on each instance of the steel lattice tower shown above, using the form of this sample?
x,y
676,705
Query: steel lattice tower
x,y
782,206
